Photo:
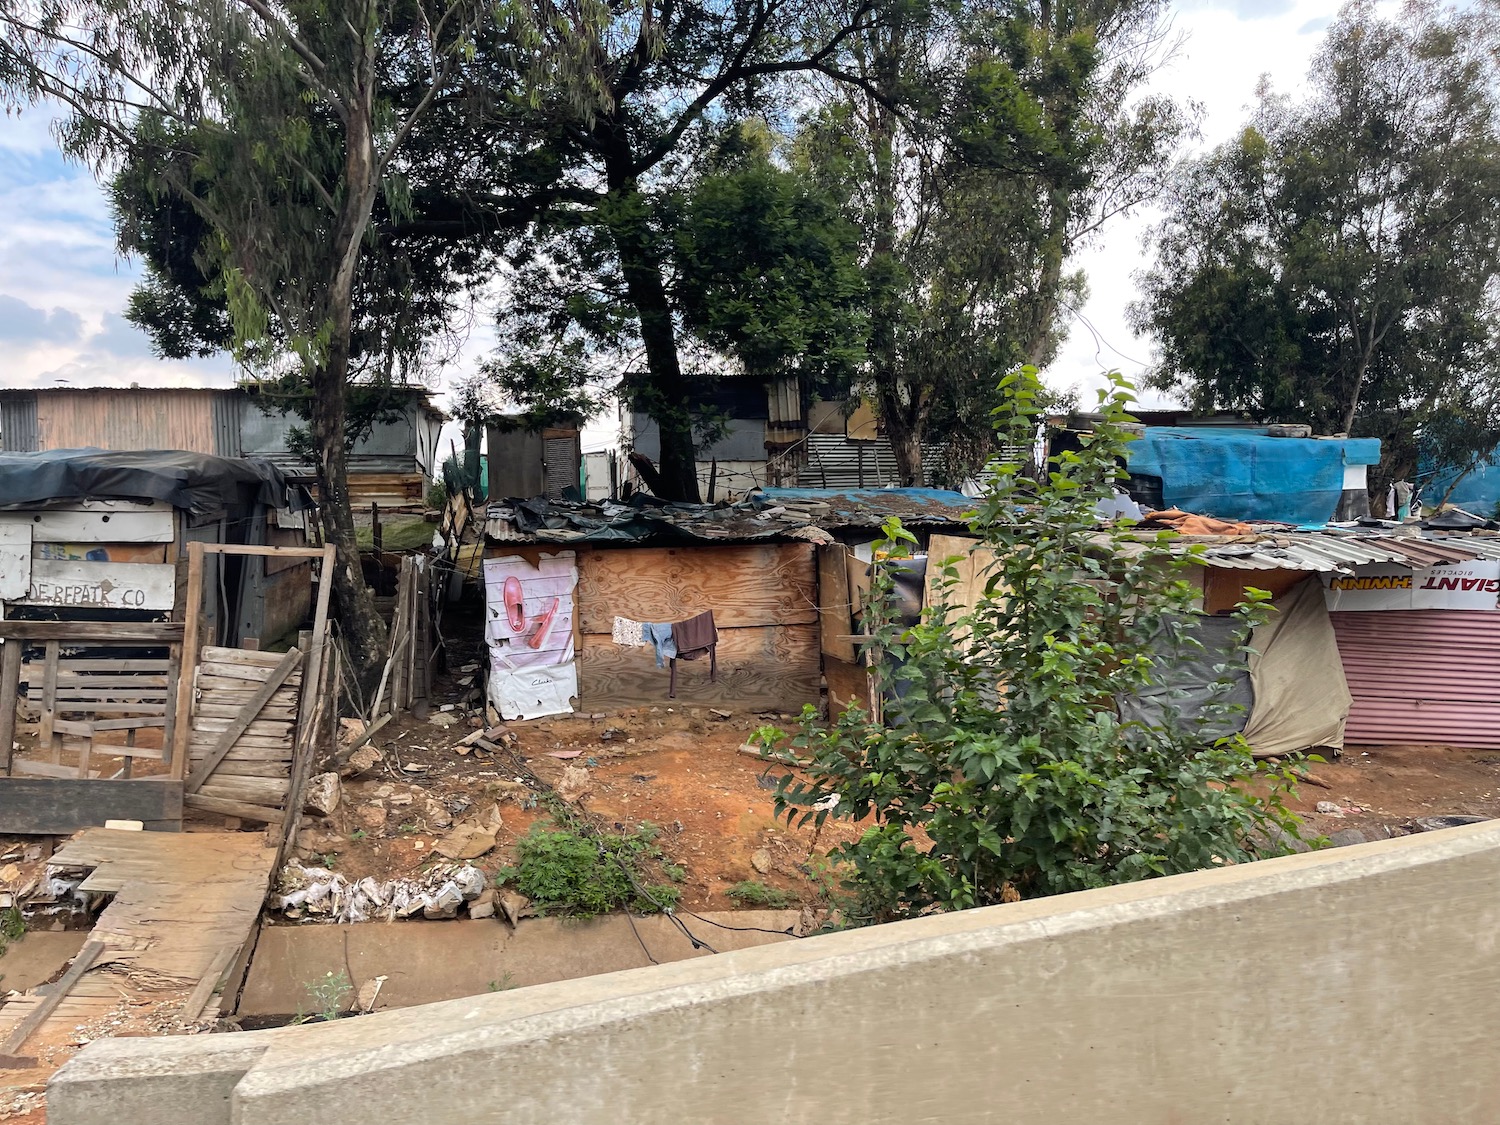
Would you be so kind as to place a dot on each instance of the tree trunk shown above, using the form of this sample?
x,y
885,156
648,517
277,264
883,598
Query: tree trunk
x,y
363,629
1049,281
665,393
900,419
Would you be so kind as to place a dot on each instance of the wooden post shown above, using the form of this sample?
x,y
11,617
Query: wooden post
x,y
10,689
48,735
376,537
192,643
312,682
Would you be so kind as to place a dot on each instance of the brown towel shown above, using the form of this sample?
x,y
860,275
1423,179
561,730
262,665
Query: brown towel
x,y
695,636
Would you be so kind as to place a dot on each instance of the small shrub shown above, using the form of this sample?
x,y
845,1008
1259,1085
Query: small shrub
x,y
1002,767
579,872
12,926
753,893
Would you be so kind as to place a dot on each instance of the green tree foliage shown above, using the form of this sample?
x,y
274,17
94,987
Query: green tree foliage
x,y
1337,262
1000,767
274,131
980,147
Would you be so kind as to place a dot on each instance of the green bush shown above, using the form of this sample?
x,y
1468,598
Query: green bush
x,y
1000,740
753,893
581,873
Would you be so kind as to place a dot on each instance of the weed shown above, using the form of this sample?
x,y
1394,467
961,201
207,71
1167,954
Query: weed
x,y
12,926
358,834
506,982
327,994
572,869
753,893
407,829
328,859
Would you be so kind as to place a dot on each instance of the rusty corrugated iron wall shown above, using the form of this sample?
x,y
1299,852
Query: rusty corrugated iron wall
x,y
1422,676
163,418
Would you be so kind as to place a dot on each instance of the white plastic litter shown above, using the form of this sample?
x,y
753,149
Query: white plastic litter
x,y
316,892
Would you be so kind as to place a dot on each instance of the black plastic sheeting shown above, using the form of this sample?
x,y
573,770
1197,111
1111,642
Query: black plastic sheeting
x,y
1208,685
196,482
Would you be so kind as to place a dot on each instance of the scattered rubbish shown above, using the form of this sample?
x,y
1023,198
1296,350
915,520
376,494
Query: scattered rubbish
x,y
316,892
718,714
323,795
609,734
469,840
1329,808
413,767
444,719
563,753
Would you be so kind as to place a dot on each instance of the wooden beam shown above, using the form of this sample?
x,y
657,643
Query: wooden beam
x,y
312,683
34,1018
242,721
192,643
55,806
10,688
94,632
226,807
266,550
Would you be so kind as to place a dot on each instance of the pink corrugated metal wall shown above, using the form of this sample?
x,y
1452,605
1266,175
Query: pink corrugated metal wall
x,y
1422,676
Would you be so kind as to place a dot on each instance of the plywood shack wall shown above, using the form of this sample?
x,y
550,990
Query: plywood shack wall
x,y
765,604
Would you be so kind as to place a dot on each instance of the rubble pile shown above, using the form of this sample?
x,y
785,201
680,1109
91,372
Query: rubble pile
x,y
316,892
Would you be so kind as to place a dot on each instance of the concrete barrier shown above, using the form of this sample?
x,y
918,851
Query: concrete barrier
x,y
1349,986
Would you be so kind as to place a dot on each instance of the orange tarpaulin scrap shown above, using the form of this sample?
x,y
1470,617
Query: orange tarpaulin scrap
x,y
1189,524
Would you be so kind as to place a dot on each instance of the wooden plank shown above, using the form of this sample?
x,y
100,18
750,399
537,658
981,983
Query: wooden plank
x,y
15,561
188,673
54,526
10,689
192,1007
216,729
247,750
215,654
61,806
244,721
268,791
227,807
267,550
848,683
94,633
767,668
972,563
272,711
835,609
745,585
101,585
81,964
310,704
117,664
47,734
249,674
25,767
91,679
68,693
231,767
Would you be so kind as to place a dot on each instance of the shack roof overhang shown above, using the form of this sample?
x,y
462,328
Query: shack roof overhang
x,y
1339,551
771,513
199,483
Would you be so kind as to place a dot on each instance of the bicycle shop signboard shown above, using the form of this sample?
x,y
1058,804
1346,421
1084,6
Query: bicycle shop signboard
x,y
1466,585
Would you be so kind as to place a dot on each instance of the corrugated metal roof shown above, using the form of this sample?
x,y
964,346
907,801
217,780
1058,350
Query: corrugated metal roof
x,y
1330,551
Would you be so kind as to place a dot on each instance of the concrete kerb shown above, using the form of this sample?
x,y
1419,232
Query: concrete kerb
x,y
635,1045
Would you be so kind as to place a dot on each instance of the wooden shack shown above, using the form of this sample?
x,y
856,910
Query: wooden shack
x,y
115,568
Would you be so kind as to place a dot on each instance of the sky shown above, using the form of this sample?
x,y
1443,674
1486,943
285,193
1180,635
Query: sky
x,y
63,287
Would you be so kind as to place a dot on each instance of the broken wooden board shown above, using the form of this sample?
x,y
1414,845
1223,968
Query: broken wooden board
x,y
768,668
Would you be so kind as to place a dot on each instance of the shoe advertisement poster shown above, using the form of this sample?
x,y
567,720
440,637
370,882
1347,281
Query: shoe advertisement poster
x,y
529,629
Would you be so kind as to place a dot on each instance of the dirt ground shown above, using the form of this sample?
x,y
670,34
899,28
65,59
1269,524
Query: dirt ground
x,y
678,768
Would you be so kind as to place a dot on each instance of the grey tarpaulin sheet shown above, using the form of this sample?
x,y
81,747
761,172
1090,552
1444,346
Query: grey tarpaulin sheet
x,y
1301,696
198,482
1188,682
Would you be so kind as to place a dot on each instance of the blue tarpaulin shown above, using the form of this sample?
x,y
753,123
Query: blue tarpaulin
x,y
1240,473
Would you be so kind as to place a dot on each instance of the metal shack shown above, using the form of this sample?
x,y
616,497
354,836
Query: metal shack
x,y
93,594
